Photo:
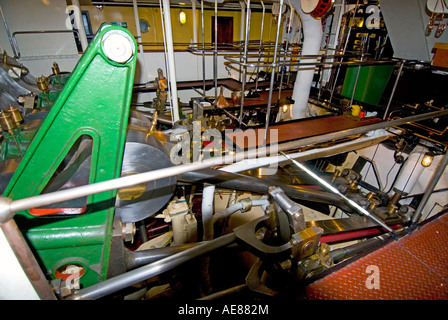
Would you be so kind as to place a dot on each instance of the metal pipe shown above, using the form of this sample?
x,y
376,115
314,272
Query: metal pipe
x,y
289,64
203,47
263,202
208,197
356,84
246,40
345,47
274,63
166,58
195,23
138,258
341,254
261,186
171,64
393,89
8,33
6,208
215,52
430,188
242,4
242,28
336,34
373,138
259,48
130,278
286,50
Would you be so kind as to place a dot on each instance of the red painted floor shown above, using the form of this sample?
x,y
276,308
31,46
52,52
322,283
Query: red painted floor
x,y
413,268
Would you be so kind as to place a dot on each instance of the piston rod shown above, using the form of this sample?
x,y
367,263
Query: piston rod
x,y
130,278
336,191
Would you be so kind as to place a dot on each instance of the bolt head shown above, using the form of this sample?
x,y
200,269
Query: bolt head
x,y
118,46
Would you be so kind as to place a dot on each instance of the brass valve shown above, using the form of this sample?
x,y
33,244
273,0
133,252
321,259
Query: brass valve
x,y
43,83
16,116
55,69
6,122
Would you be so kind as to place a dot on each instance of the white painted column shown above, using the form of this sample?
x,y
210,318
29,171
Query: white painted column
x,y
80,25
195,23
170,58
312,33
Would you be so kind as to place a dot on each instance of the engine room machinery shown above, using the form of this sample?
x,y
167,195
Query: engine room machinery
x,y
102,199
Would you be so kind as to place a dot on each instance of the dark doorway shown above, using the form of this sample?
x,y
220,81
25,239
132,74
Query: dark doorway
x,y
225,30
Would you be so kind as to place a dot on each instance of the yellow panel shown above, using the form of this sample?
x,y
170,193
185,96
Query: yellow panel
x,y
182,33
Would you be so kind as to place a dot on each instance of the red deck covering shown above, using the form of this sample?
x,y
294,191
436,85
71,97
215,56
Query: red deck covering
x,y
413,268
289,131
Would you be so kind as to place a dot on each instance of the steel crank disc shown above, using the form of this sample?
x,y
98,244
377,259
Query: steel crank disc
x,y
144,200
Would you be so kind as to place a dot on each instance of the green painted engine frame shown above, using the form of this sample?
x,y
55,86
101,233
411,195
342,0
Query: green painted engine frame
x,y
94,102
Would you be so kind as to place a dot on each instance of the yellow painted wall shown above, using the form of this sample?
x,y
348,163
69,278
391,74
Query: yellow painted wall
x,y
182,34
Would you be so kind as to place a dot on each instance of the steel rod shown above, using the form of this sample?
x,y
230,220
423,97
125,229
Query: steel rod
x,y
393,89
259,48
336,191
288,32
329,63
274,64
246,40
171,63
8,33
203,48
345,47
215,52
135,276
356,84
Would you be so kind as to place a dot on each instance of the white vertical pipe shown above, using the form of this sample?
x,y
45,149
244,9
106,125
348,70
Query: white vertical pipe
x,y
139,39
215,52
80,24
195,23
312,33
208,196
242,4
203,47
171,64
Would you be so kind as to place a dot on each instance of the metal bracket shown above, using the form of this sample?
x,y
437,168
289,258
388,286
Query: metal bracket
x,y
247,234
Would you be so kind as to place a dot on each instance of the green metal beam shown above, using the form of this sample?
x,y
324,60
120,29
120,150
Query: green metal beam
x,y
94,103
